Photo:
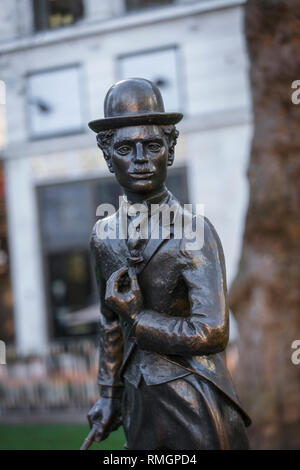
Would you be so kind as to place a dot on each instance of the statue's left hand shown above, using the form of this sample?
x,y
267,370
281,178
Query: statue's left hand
x,y
123,294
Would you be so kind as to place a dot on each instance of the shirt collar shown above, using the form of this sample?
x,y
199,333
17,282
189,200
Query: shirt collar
x,y
160,198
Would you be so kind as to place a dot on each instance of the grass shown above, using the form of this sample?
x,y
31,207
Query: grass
x,y
53,437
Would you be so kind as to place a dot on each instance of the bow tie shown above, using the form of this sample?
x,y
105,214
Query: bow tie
x,y
134,260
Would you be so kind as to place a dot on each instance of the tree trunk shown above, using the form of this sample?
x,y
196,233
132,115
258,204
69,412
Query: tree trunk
x,y
265,295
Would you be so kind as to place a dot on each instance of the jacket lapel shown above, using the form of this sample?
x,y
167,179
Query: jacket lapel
x,y
167,232
119,246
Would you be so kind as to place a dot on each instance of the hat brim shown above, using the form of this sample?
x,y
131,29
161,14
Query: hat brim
x,y
138,119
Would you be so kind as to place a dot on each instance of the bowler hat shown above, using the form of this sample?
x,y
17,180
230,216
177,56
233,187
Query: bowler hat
x,y
131,102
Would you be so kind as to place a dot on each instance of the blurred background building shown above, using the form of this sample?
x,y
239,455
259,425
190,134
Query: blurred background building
x,y
58,58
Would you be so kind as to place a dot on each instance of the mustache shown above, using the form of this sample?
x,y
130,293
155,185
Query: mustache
x,y
141,169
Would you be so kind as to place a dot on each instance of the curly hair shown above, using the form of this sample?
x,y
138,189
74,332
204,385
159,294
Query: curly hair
x,y
172,135
104,139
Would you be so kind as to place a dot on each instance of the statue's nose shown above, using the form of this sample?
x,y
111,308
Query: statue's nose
x,y
140,154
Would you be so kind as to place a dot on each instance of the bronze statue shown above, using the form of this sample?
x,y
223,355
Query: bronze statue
x,y
164,313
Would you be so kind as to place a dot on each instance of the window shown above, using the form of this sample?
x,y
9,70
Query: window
x,y
133,5
49,14
67,215
54,101
160,67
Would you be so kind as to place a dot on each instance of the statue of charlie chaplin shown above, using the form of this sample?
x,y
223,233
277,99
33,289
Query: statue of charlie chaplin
x,y
164,313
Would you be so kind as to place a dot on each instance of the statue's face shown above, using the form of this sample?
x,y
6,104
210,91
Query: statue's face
x,y
139,157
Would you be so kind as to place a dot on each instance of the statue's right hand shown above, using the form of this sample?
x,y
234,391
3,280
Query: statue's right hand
x,y
105,416
127,303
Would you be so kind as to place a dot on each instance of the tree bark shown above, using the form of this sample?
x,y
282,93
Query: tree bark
x,y
265,295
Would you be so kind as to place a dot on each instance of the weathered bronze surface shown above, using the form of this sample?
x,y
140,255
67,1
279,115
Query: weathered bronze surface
x,y
164,313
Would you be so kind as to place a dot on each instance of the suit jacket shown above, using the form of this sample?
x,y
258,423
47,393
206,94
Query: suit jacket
x,y
183,326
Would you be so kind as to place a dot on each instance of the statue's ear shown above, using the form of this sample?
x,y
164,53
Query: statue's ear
x,y
171,158
104,140
108,162
172,138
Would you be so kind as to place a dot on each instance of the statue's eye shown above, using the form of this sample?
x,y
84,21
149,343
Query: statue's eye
x,y
154,147
124,150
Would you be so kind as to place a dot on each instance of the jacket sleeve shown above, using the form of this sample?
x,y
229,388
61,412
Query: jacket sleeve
x,y
110,336
206,329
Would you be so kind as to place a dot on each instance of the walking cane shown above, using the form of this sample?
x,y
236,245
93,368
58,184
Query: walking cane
x,y
89,439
